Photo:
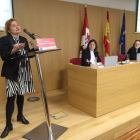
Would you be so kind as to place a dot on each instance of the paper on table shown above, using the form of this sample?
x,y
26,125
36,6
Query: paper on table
x,y
124,62
100,66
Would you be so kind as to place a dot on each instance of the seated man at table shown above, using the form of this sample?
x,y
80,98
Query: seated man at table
x,y
134,50
90,54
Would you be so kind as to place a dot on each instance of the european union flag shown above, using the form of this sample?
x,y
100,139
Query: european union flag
x,y
122,36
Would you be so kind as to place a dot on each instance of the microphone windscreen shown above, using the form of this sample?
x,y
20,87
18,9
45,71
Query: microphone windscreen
x,y
25,30
31,35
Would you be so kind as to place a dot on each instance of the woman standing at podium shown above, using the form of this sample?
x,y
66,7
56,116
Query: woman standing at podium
x,y
134,50
90,54
17,71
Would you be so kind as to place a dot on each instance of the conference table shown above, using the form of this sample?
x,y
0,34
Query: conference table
x,y
100,91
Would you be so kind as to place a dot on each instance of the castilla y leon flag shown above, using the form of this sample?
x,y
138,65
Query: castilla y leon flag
x,y
106,37
85,34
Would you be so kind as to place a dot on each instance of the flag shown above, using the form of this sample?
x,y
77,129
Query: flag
x,y
85,33
106,37
122,36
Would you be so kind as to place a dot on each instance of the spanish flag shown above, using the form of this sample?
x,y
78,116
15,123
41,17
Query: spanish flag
x,y
106,37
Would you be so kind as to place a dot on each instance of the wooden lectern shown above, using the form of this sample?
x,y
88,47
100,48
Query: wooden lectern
x,y
100,91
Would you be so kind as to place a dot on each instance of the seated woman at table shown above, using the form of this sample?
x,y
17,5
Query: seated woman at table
x,y
134,50
89,55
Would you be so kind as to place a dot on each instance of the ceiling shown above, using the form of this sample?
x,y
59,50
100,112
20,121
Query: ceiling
x,y
129,5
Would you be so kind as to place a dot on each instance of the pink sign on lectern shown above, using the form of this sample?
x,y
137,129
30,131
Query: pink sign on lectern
x,y
46,44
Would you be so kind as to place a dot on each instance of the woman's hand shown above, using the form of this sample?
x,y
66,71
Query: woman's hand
x,y
17,47
100,64
36,48
87,61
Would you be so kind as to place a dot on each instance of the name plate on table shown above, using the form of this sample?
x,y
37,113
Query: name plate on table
x,y
138,57
46,44
111,61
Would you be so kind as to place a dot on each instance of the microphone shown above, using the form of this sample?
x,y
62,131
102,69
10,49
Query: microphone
x,y
31,35
119,58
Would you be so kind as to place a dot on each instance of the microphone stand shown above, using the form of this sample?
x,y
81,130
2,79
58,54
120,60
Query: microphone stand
x,y
32,99
36,35
121,61
119,58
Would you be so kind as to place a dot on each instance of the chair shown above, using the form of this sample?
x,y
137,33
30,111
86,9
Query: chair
x,y
121,57
76,61
102,59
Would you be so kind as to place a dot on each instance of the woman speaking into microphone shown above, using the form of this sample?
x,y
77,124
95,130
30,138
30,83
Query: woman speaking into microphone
x,y
17,71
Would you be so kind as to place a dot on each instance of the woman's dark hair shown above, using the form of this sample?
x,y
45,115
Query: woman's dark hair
x,y
135,42
96,47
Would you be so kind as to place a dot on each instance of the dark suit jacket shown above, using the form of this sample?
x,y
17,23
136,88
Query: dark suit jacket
x,y
10,66
86,55
132,52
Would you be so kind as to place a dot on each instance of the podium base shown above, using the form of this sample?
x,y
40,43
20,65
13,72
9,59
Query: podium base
x,y
41,132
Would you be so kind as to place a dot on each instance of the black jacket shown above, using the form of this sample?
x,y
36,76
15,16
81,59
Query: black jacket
x,y
132,52
10,66
86,55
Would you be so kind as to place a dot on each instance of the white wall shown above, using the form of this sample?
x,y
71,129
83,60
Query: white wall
x,y
129,5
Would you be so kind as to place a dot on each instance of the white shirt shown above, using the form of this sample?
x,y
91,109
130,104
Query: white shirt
x,y
92,59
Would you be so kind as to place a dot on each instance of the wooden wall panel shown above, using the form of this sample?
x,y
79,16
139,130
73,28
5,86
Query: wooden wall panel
x,y
64,22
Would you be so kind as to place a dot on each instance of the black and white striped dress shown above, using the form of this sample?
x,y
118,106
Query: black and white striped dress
x,y
24,83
